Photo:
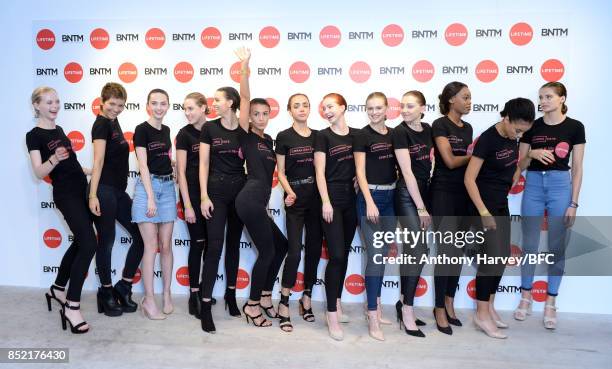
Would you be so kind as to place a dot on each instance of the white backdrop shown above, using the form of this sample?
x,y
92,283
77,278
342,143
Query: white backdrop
x,y
427,37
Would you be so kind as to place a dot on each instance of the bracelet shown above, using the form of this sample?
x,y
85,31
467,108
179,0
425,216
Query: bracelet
x,y
484,213
325,200
244,72
421,210
573,204
49,160
93,197
204,198
188,206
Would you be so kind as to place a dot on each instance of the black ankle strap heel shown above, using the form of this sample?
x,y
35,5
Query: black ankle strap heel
x,y
73,328
264,323
51,295
285,321
306,314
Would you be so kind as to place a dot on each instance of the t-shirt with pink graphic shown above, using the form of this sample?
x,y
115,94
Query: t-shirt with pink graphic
x,y
158,145
560,138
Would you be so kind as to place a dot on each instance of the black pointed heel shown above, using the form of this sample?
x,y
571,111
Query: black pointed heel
x,y
446,330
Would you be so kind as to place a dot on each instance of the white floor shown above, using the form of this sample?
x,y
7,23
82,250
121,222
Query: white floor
x,y
131,341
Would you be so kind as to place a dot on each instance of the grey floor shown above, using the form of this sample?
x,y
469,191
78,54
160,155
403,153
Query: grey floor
x,y
131,341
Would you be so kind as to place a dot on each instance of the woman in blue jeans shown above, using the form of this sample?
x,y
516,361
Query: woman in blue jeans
x,y
551,186
376,175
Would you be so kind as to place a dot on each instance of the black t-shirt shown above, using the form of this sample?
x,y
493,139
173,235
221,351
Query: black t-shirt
x,y
339,161
459,138
419,145
560,138
67,176
226,156
380,158
158,145
188,139
500,157
259,156
298,152
116,155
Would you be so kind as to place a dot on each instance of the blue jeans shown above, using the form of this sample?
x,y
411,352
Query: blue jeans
x,y
551,191
374,272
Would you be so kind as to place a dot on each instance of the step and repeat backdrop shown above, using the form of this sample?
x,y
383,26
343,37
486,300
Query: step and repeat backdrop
x,y
499,58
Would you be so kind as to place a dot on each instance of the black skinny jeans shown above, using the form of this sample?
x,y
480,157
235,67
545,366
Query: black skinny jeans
x,y
76,260
339,235
305,213
115,205
451,212
198,238
497,243
406,211
222,191
270,242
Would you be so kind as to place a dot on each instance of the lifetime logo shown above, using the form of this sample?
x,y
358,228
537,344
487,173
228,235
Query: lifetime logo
x,y
354,284
182,276
394,109
360,72
269,37
211,71
299,283
274,108
235,72
456,34
73,72
299,72
77,140
552,70
99,38
486,71
45,39
155,38
243,279
519,186
129,138
324,251
210,37
209,102
95,106
330,36
392,35
127,72
183,72
52,238
423,71
73,38
521,34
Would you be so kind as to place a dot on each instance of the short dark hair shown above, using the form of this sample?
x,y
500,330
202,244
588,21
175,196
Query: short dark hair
x,y
260,101
113,89
231,94
448,92
519,108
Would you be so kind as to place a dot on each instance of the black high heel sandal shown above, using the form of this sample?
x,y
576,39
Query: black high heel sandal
x,y
285,321
51,295
267,308
400,320
74,329
247,316
306,314
398,312
230,302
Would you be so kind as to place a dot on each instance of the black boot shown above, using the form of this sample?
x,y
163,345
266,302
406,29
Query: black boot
x,y
230,302
194,303
107,303
123,293
206,317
